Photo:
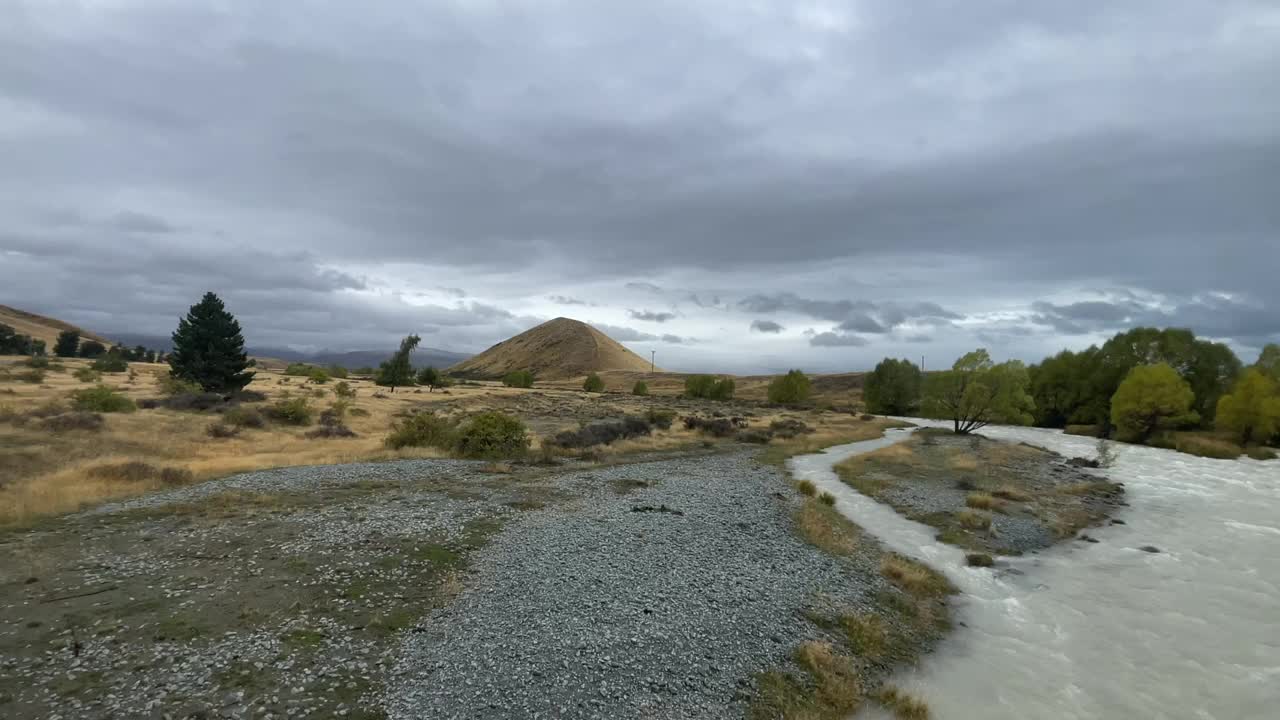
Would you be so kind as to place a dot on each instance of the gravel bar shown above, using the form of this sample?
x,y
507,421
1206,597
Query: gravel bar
x,y
663,601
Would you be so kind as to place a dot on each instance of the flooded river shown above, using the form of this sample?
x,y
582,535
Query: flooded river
x,y
1108,630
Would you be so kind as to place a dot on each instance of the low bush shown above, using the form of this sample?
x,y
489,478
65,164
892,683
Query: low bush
x,y
660,418
65,422
337,371
222,431
172,476
299,369
110,364
982,501
866,417
593,384
788,428
243,417
492,435
755,437
1208,447
807,488
827,499
902,705
601,433
249,396
332,430
358,412
1257,452
291,411
518,379
173,385
640,388
102,399
318,376
715,427
132,471
186,402
423,429
979,560
35,377
38,363
1086,430
344,391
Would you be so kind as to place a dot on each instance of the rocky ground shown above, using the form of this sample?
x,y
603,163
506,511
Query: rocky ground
x,y
430,588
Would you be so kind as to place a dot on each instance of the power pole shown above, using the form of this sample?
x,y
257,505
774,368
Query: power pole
x,y
922,363
653,354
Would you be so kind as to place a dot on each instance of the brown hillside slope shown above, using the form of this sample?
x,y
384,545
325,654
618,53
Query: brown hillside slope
x,y
560,348
41,327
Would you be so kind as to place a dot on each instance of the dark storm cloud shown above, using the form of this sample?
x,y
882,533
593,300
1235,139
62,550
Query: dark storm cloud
x,y
830,339
650,316
313,148
766,326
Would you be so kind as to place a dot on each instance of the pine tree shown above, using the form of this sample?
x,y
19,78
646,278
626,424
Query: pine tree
x,y
398,371
208,348
68,343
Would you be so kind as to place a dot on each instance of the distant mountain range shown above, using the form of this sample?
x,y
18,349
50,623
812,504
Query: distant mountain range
x,y
422,357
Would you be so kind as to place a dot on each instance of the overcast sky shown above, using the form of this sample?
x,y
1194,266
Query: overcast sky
x,y
742,185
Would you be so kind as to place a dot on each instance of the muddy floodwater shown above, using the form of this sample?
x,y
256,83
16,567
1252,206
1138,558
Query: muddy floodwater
x,y
1108,629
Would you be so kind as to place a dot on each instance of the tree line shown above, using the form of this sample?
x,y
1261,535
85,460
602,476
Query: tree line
x,y
1134,387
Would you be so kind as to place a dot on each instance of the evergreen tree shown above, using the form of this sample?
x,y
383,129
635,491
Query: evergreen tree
x,y
397,371
208,348
68,343
92,349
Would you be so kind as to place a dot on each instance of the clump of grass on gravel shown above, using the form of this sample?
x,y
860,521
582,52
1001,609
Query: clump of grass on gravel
x,y
807,488
973,520
903,705
982,501
827,529
915,578
832,688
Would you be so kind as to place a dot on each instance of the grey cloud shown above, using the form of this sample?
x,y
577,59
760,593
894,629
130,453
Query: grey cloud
x,y
834,310
861,322
456,292
853,315
830,339
136,222
625,334
644,287
650,316
766,326
565,300
676,339
918,339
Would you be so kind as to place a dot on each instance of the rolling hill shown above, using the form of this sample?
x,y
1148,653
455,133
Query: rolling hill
x,y
560,348
41,327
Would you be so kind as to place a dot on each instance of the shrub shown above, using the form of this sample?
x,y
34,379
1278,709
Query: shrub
x,y
103,399
173,385
979,560
716,427
299,369
176,476
86,375
72,421
249,396
757,437
35,377
807,488
790,389
243,417
827,499
492,435
593,384
709,387
132,471
1258,452
423,429
358,412
602,433
344,390
291,411
318,376
518,379
788,428
660,418
337,371
38,363
332,430
640,388
92,349
222,430
110,363
188,402
1207,447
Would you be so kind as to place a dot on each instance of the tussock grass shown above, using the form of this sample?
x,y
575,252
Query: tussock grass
x,y
973,520
827,529
1009,492
838,686
827,499
982,501
866,634
915,578
807,488
903,705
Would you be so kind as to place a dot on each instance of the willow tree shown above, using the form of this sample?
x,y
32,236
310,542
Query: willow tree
x,y
398,371
976,392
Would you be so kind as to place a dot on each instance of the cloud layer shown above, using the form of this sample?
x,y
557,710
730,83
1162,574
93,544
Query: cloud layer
x,y
817,183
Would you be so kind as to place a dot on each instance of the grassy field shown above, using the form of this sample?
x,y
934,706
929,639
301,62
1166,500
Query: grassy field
x,y
49,470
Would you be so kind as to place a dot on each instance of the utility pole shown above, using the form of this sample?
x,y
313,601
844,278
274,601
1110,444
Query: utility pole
x,y
922,363
653,354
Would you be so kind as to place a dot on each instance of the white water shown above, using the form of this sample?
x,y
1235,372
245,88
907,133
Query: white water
x,y
1106,630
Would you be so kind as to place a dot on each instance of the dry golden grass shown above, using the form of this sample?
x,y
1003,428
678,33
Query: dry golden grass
x,y
827,529
983,501
914,577
838,686
1009,492
973,520
903,705
962,461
